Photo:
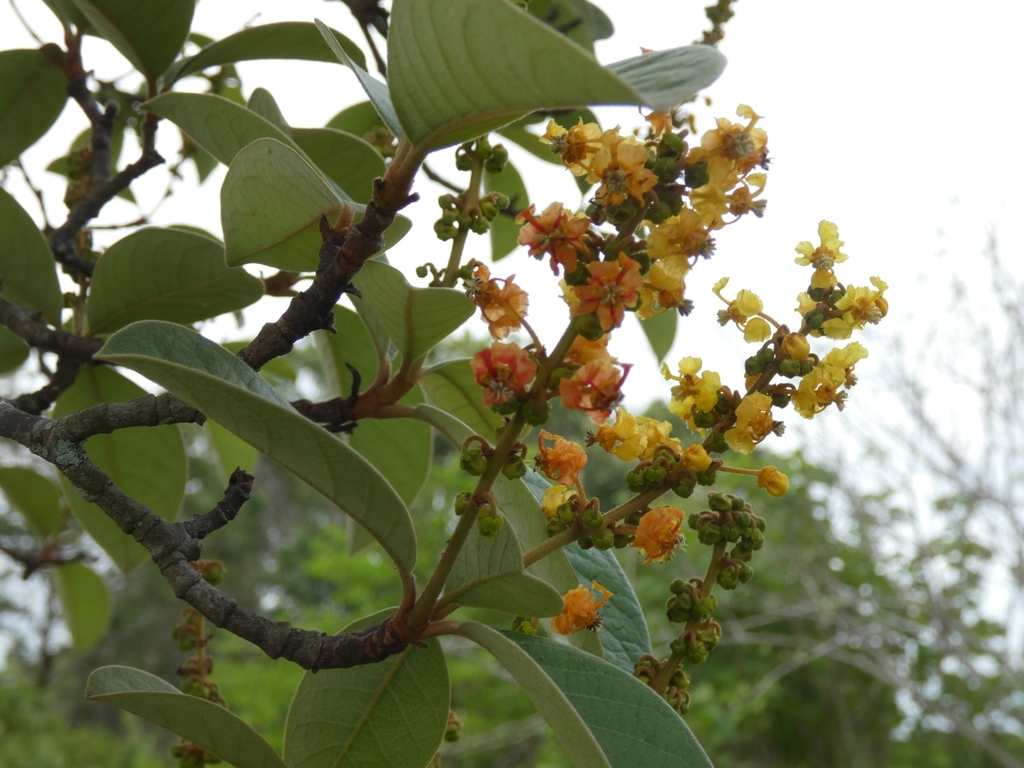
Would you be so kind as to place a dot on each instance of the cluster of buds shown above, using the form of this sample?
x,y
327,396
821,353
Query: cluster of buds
x,y
466,212
676,692
730,519
687,602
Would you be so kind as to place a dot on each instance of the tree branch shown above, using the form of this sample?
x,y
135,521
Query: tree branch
x,y
172,546
28,325
235,495
60,380
145,411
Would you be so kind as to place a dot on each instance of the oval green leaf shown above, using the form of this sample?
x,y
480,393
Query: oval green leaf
x,y
216,382
389,714
36,497
359,119
86,602
13,351
374,88
283,40
166,274
504,231
26,265
452,387
633,724
209,725
147,463
500,63
415,318
350,161
551,703
33,92
148,34
489,574
624,636
265,105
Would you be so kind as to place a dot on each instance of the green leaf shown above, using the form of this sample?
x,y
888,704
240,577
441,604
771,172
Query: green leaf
x,y
213,380
166,274
283,40
633,724
83,140
209,725
389,714
624,636
66,11
13,351
489,574
148,34
33,91
374,88
452,387
147,463
415,318
500,63
232,452
551,703
263,104
36,497
359,119
660,331
218,125
86,602
26,265
271,202
504,231
350,161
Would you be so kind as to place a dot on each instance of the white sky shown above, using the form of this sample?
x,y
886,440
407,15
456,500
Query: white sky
x,y
885,117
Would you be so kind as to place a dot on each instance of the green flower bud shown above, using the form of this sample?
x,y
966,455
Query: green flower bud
x,y
678,646
780,399
592,518
464,162
447,202
445,231
665,170
752,366
421,271
186,642
489,210
760,524
536,414
693,520
765,355
500,200
462,501
696,175
450,217
657,213
589,327
671,144
507,408
742,519
566,513
604,539
707,477
622,541
816,294
709,533
482,149
789,368
489,521
806,367
555,526
680,679
655,475
678,587
719,502
473,460
514,467
586,543
731,532
684,486
728,579
814,319
746,574
636,480
705,419
737,503
697,654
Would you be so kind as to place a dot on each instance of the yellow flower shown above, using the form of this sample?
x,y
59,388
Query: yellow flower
x,y
692,390
576,146
859,305
796,346
695,458
828,254
579,609
656,435
753,423
746,145
680,235
619,168
820,388
554,497
621,439
711,200
773,481
658,534
742,311
756,330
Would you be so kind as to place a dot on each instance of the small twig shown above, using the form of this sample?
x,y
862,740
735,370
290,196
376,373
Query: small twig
x,y
438,179
145,411
60,380
235,495
27,324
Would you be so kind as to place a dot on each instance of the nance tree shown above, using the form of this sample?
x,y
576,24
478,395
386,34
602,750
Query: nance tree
x,y
320,206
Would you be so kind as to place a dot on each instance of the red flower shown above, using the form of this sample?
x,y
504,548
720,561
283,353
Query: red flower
x,y
504,371
611,287
555,233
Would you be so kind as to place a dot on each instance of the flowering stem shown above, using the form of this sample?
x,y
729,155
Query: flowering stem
x,y
471,202
672,663
424,607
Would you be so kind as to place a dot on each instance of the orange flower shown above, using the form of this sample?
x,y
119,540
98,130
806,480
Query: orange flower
x,y
611,287
579,609
575,146
562,461
594,388
658,534
583,351
503,370
503,306
556,233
